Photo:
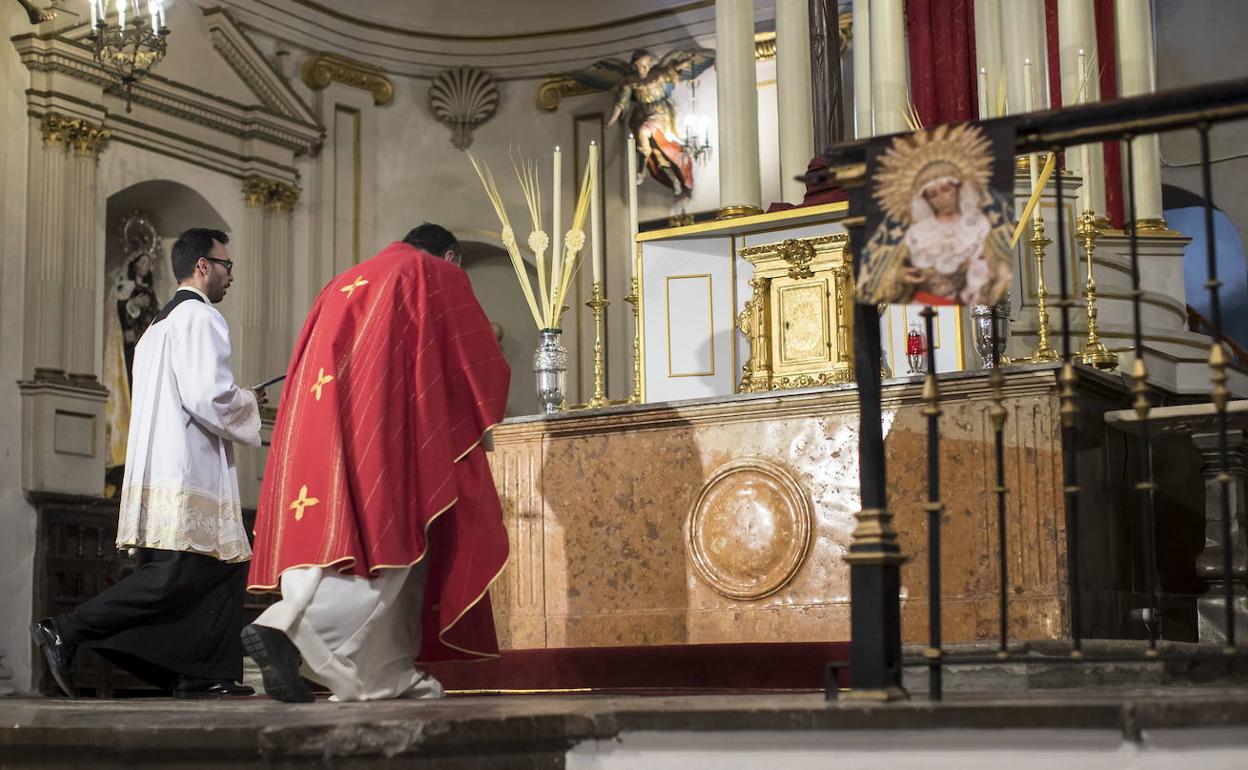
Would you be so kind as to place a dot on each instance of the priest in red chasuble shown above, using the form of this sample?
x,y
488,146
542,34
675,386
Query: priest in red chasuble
x,y
378,519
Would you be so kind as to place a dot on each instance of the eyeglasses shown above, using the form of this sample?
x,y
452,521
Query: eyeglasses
x,y
229,263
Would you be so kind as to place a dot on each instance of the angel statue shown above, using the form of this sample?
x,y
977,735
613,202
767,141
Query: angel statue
x,y
646,85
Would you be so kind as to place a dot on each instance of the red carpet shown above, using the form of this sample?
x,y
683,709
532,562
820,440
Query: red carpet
x,y
702,667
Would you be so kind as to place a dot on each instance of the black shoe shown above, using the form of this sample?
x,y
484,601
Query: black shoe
x,y
59,653
188,687
278,658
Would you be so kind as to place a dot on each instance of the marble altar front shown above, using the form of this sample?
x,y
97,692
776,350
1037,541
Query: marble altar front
x,y
726,520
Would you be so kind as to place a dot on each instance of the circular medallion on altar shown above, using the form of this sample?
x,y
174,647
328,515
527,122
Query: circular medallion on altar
x,y
749,529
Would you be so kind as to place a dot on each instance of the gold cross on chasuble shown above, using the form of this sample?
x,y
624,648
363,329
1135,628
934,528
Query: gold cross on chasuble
x,y
357,283
322,379
302,502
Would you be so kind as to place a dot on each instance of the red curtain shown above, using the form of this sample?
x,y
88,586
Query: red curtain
x,y
941,38
1053,48
1107,58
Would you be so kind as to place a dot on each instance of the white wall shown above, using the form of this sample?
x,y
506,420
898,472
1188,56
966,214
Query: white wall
x,y
17,518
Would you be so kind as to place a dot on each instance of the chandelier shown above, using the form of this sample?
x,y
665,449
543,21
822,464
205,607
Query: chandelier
x,y
130,40
696,143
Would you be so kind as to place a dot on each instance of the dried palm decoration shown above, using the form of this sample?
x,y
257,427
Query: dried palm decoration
x,y
554,276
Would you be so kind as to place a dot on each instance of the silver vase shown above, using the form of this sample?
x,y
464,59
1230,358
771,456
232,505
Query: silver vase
x,y
550,366
981,323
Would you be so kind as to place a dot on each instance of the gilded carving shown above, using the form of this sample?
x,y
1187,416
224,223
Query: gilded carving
x,y
798,320
85,137
555,89
325,68
749,530
278,196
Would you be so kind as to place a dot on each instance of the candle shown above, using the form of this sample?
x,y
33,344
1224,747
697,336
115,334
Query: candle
x,y
631,181
595,214
121,13
983,93
1033,164
94,18
1085,162
556,231
151,11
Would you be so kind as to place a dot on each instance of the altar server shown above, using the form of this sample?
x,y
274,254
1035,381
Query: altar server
x,y
175,620
378,518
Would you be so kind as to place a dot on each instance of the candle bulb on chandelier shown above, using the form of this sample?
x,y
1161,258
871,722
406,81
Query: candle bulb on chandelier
x,y
121,13
155,17
95,20
595,214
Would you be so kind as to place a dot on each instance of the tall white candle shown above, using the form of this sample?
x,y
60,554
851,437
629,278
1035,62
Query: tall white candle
x,y
595,214
556,228
155,17
1028,105
632,205
1085,162
160,7
121,13
983,93
94,18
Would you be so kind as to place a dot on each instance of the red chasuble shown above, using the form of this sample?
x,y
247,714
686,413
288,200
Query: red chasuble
x,y
376,459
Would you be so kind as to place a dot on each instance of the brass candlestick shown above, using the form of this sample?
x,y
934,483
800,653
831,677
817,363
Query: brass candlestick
x,y
599,305
634,299
1039,243
1093,351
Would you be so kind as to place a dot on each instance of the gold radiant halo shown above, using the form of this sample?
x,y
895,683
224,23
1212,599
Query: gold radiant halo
x,y
962,151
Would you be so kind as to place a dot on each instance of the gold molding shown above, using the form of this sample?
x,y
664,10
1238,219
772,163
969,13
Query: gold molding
x,y
702,228
605,25
324,68
710,320
558,87
764,46
737,211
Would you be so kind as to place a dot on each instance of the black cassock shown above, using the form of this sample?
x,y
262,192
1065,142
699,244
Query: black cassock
x,y
178,614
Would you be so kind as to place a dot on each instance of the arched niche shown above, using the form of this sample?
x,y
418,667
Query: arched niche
x,y
494,282
142,221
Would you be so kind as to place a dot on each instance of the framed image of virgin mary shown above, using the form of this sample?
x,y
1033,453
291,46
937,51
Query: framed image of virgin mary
x,y
940,218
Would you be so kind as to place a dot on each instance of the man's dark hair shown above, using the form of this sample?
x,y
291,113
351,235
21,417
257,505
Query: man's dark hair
x,y
190,246
435,239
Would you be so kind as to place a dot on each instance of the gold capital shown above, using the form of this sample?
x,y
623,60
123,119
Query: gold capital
x,y
325,68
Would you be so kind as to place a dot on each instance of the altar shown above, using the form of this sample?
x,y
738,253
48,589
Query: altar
x,y
726,520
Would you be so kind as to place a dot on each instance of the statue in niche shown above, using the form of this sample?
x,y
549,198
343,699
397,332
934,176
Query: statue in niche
x,y
35,15
132,306
643,96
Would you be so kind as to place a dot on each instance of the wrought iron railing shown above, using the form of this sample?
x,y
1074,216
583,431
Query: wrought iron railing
x,y
875,555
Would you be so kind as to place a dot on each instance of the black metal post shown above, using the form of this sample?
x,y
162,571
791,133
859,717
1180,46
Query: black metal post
x,y
934,507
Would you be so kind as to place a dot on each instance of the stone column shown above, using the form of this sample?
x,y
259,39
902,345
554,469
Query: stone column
x,y
1211,607
1137,75
277,279
1023,38
251,276
45,262
793,96
1076,31
84,250
864,123
740,186
890,83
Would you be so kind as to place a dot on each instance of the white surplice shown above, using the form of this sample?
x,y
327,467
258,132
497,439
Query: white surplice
x,y
180,491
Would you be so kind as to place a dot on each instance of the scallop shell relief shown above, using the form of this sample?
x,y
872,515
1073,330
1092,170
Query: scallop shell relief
x,y
463,98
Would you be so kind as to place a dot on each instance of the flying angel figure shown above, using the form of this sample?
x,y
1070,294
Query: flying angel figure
x,y
643,88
